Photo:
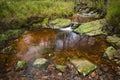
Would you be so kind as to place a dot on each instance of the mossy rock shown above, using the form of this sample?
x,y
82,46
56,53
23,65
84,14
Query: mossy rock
x,y
110,52
20,65
114,40
61,68
60,22
41,63
92,28
83,65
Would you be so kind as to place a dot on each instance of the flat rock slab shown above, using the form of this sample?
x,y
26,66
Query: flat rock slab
x,y
60,22
83,65
92,28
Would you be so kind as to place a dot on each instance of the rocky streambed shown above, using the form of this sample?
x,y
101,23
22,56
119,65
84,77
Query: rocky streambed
x,y
87,52
51,54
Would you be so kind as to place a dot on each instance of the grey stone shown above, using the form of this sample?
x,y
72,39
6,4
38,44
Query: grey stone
x,y
40,63
60,74
83,65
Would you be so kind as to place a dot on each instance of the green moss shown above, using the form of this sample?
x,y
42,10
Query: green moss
x,y
92,28
60,22
9,35
3,37
110,52
20,65
61,68
83,65
41,63
45,22
113,13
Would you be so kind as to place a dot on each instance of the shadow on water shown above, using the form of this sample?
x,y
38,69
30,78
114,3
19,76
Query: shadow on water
x,y
57,46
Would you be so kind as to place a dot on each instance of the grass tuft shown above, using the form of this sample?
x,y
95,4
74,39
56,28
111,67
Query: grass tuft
x,y
24,9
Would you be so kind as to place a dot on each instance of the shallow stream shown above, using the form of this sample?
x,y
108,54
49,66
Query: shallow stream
x,y
56,46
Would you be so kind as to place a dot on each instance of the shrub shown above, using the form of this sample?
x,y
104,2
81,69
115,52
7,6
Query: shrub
x,y
113,13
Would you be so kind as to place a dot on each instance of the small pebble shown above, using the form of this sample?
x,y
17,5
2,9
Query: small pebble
x,y
105,69
93,74
60,74
118,73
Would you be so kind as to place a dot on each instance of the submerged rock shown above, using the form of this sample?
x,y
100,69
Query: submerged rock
x,y
83,65
92,28
60,22
60,67
110,52
114,40
41,63
20,65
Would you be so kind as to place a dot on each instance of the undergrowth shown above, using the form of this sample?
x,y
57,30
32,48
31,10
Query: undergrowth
x,y
25,8
113,13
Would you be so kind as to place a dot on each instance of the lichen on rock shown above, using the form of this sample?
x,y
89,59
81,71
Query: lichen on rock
x,y
83,65
92,28
60,22
114,40
40,63
110,52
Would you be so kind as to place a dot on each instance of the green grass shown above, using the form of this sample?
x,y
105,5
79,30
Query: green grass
x,y
9,34
23,9
113,13
17,13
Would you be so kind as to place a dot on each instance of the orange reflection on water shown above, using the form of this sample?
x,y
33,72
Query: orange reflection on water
x,y
57,46
32,44
60,44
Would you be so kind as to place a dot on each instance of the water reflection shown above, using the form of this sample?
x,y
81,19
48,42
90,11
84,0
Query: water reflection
x,y
66,40
33,44
56,46
44,42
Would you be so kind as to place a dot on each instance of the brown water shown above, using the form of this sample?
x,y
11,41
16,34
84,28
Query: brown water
x,y
57,46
